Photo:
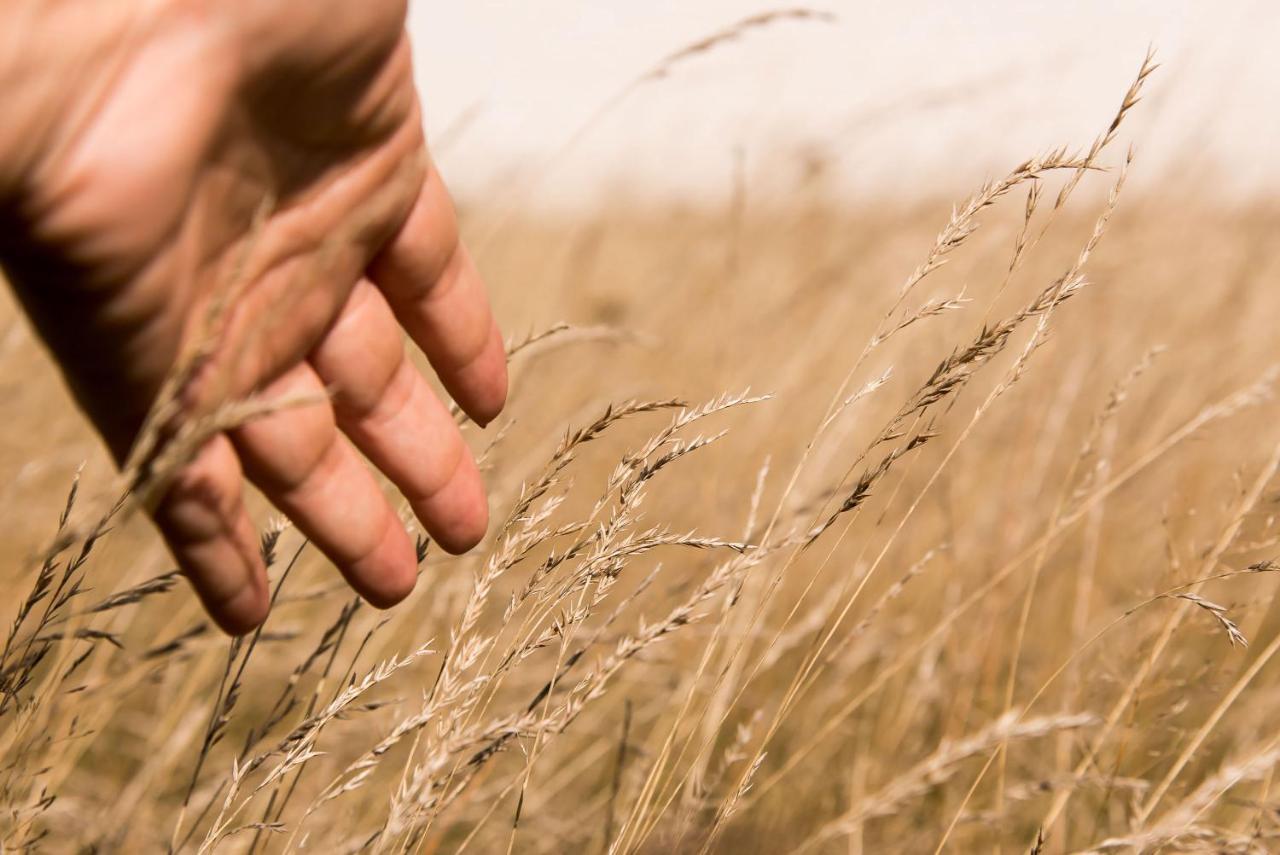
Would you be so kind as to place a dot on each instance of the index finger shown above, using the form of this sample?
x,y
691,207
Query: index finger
x,y
437,294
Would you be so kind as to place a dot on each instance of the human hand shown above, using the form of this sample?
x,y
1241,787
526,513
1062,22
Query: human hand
x,y
143,141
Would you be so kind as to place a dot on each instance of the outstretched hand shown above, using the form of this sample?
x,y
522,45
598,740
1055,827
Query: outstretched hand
x,y
161,154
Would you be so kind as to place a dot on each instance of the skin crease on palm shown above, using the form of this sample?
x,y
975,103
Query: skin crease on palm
x,y
156,150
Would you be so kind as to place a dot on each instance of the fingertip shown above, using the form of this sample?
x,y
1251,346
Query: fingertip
x,y
482,386
245,611
466,530
388,574
435,290
457,517
209,533
236,597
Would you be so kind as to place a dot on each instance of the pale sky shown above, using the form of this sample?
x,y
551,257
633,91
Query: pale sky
x,y
943,93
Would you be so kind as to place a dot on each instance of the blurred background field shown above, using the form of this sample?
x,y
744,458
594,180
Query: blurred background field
x,y
1018,629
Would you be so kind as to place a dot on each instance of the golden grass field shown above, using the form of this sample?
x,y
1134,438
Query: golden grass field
x,y
926,557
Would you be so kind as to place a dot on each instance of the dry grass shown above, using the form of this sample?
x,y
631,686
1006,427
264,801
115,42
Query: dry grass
x,y
983,558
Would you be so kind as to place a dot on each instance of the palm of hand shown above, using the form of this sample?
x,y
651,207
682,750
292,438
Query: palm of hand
x,y
280,162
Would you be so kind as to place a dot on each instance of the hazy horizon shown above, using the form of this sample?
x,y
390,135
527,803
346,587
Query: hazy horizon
x,y
886,96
